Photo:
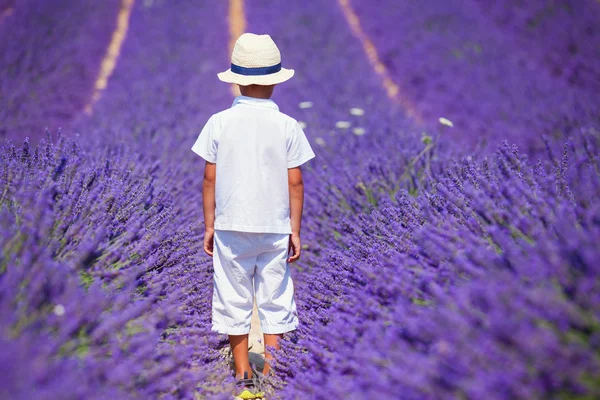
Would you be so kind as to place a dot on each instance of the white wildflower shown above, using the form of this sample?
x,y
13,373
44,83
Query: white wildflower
x,y
357,111
358,131
59,310
305,104
342,124
320,141
302,124
446,121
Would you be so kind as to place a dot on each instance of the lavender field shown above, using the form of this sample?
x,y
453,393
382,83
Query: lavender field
x,y
451,221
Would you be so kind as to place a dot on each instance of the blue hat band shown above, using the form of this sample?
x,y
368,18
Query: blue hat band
x,y
255,71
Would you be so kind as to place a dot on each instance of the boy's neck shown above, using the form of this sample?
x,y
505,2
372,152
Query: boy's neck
x,y
257,91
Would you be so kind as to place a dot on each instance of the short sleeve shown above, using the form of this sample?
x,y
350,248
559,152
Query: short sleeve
x,y
298,147
206,143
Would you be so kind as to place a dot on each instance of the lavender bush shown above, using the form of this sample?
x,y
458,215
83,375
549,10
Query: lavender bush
x,y
81,307
482,287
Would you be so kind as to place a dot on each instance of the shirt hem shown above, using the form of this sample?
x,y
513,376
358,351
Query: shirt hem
x,y
205,156
253,229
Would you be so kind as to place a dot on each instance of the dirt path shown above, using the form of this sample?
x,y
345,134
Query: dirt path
x,y
255,342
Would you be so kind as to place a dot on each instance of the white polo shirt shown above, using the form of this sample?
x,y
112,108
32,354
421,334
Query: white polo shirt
x,y
253,145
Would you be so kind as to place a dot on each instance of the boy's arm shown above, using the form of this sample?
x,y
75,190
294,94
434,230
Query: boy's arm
x,y
296,188
208,201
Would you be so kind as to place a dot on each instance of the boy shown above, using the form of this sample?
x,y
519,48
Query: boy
x,y
253,195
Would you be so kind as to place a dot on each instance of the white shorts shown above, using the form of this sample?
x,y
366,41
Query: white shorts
x,y
248,264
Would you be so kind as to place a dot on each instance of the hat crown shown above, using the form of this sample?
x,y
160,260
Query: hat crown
x,y
252,51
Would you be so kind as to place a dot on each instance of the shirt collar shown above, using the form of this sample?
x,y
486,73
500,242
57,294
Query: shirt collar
x,y
255,102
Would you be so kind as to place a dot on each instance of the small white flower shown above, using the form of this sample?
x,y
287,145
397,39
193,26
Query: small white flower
x,y
446,121
320,141
302,124
358,131
357,111
305,104
342,124
59,310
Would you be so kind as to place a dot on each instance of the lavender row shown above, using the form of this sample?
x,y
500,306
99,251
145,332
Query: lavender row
x,y
559,37
82,312
154,107
483,286
452,60
50,55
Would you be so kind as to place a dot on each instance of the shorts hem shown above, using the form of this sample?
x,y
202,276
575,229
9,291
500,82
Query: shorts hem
x,y
276,329
230,330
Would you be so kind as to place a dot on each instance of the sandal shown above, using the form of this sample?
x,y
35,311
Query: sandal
x,y
249,388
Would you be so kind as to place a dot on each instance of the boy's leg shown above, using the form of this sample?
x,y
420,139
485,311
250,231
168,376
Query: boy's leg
x,y
239,348
274,292
271,340
234,259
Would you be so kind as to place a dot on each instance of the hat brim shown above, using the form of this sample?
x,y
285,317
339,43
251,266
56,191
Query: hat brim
x,y
244,80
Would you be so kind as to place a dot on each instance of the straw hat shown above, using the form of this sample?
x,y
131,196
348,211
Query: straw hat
x,y
255,60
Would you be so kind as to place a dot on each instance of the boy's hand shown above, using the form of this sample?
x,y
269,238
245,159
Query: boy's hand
x,y
294,251
209,235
